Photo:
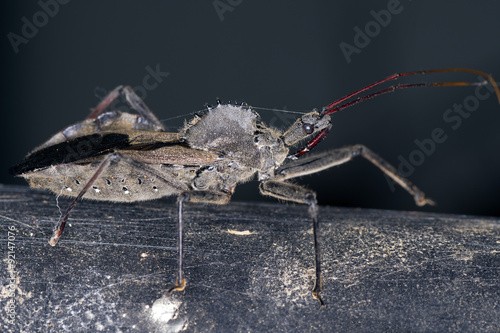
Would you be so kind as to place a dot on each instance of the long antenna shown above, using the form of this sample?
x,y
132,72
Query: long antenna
x,y
330,108
334,107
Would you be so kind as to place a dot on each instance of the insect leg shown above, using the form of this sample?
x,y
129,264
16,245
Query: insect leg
x,y
58,232
135,102
328,159
123,164
138,105
291,192
114,94
210,197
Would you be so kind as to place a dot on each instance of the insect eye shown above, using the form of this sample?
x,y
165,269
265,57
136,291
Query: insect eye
x,y
308,128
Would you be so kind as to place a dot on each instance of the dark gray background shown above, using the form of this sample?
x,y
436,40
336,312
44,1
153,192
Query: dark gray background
x,y
279,54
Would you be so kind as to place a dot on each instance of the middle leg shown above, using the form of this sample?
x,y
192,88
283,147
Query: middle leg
x,y
209,197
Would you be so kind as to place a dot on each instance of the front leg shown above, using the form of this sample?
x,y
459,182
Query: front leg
x,y
278,188
291,192
325,160
209,197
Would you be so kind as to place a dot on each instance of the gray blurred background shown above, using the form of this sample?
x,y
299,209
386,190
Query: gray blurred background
x,y
60,58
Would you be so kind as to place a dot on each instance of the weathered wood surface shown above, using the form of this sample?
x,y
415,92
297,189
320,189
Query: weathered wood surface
x,y
249,268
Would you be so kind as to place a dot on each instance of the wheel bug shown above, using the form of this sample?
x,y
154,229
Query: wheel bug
x,y
117,156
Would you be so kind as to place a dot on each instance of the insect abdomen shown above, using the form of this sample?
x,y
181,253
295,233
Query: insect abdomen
x,y
112,185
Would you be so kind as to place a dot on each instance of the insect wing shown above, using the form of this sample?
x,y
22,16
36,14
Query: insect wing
x,y
71,151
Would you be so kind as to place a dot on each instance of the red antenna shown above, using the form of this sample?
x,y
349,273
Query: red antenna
x,y
331,108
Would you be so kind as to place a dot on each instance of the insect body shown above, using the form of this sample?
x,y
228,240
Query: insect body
x,y
117,156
